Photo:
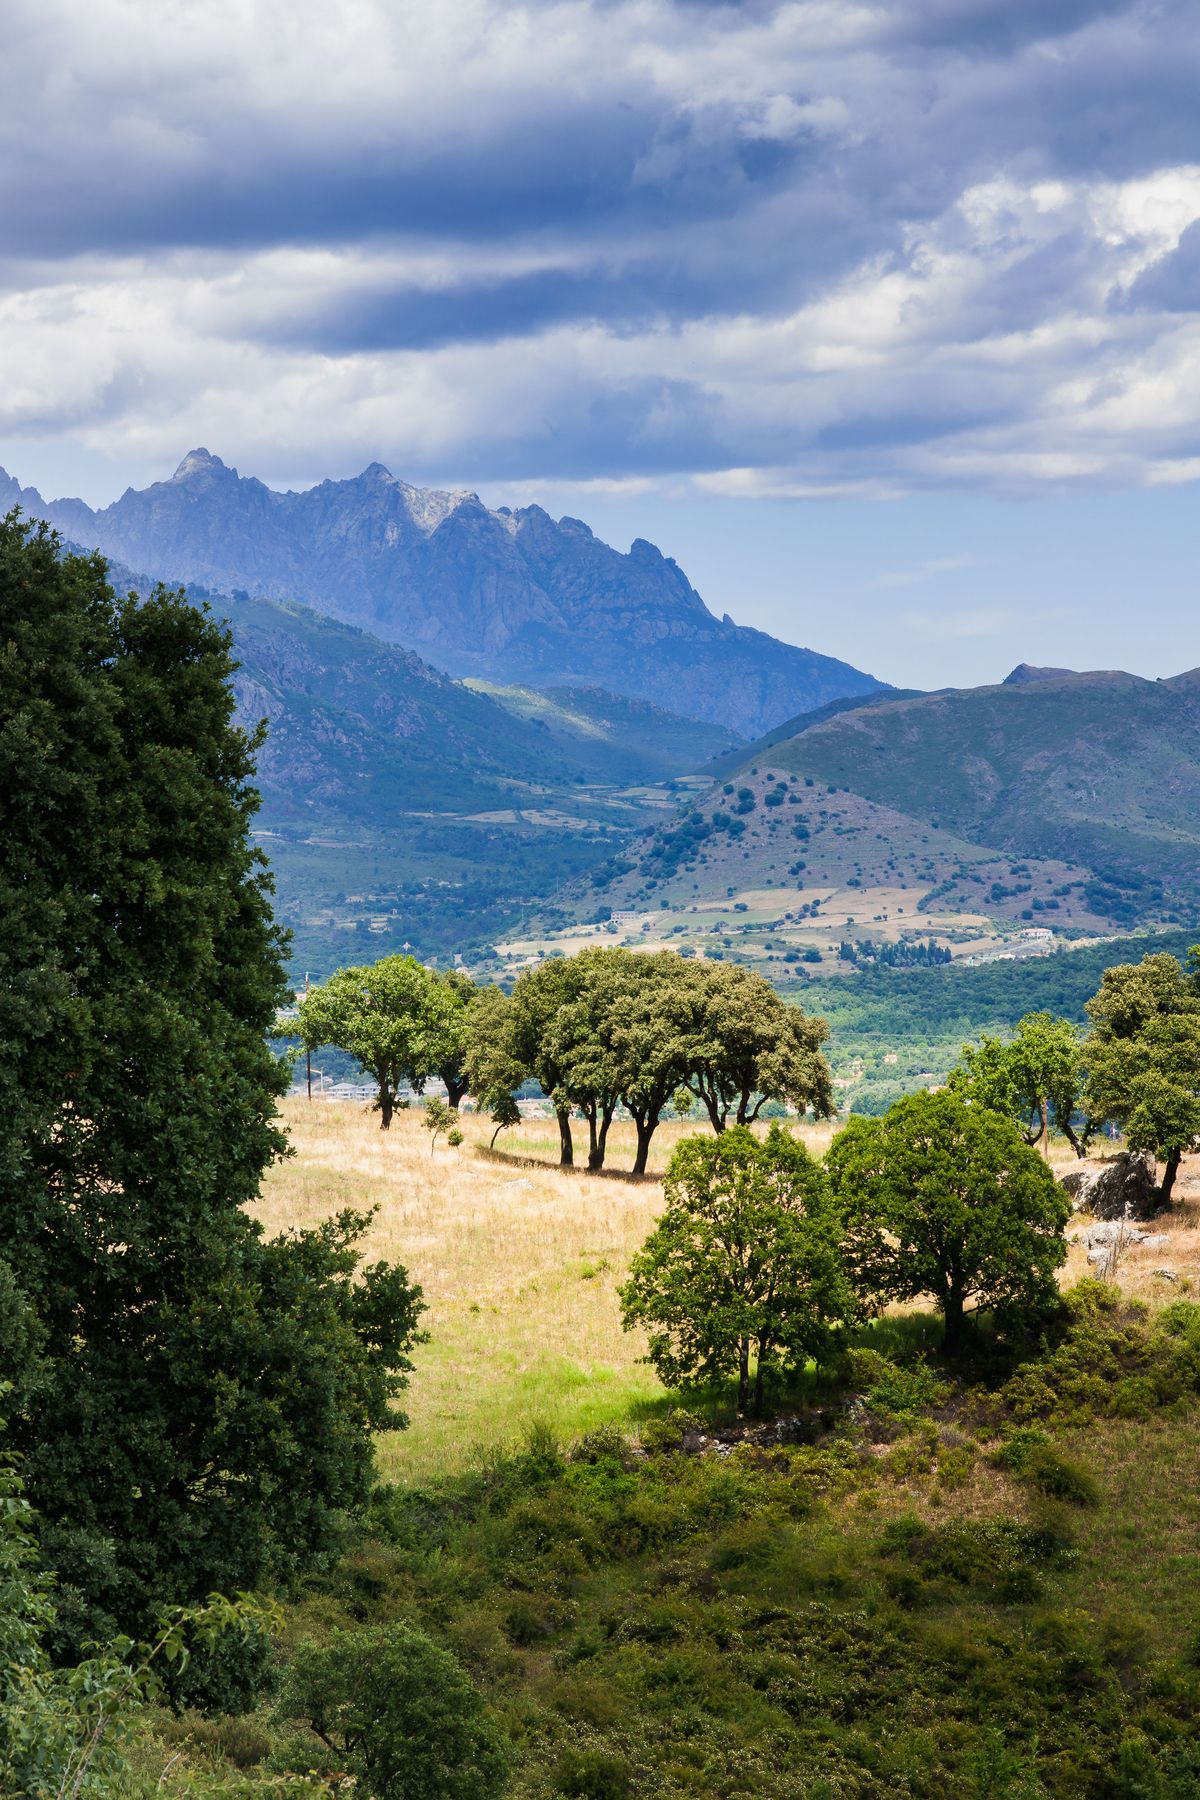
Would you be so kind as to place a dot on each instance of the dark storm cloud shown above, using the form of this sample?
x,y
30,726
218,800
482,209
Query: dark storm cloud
x,y
718,235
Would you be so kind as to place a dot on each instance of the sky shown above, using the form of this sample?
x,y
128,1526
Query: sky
x,y
883,319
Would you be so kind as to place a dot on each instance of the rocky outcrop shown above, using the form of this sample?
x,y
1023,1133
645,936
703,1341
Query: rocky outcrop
x,y
510,596
1124,1188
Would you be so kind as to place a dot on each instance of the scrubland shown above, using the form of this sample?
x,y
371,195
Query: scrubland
x,y
926,1581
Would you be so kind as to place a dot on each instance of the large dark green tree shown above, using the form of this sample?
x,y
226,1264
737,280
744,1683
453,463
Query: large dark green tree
x,y
196,1402
944,1198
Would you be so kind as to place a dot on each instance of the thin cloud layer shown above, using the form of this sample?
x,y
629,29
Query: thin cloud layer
x,y
768,249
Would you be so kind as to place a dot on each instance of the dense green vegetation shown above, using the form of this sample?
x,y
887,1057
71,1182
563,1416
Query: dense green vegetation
x,y
902,1582
921,1595
922,1017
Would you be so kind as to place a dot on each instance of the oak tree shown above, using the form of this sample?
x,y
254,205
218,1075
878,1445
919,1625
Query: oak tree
x,y
742,1272
945,1198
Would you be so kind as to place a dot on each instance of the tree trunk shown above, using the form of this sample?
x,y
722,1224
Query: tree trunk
x,y
1046,1128
712,1106
954,1314
456,1087
598,1140
758,1384
1069,1134
1169,1174
743,1374
566,1146
386,1105
645,1131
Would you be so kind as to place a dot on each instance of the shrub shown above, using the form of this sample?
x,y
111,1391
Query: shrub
x,y
400,1714
1053,1474
593,1775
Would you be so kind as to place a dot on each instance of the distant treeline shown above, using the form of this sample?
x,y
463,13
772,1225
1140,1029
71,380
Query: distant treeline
x,y
888,1004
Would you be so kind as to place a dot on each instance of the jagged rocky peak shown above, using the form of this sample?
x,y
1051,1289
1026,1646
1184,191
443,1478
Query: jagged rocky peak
x,y
201,462
426,507
508,596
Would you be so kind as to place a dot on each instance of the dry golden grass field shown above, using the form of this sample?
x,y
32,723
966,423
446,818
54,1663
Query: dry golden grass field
x,y
520,1261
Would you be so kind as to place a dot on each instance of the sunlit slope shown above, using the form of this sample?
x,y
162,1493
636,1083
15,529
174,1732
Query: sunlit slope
x,y
1099,769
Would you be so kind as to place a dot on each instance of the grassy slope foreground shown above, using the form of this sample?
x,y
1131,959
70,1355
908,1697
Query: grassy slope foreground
x,y
922,1586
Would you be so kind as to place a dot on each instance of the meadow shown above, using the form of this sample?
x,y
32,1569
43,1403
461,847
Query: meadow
x,y
520,1261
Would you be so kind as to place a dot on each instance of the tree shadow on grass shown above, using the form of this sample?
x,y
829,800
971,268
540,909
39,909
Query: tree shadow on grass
x,y
513,1159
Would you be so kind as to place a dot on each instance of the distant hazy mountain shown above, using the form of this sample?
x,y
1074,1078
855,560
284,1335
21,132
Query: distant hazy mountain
x,y
511,597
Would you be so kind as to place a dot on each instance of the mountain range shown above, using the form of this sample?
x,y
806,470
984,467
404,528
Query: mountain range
x,y
509,597
404,801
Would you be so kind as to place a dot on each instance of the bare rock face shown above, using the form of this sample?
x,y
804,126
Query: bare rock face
x,y
1124,1188
507,596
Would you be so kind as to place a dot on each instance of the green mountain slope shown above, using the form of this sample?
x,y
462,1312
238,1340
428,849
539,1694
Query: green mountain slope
x,y
1100,769
402,807
986,824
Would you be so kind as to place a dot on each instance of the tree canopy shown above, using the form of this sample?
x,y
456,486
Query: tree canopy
x,y
197,1403
400,1020
752,1046
743,1267
1038,1072
945,1198
1143,1057
610,1028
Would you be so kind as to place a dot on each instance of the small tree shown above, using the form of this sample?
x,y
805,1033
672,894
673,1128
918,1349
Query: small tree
x,y
504,1113
944,1198
742,1268
1040,1072
438,1118
1143,1058
397,1711
682,1102
391,1016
